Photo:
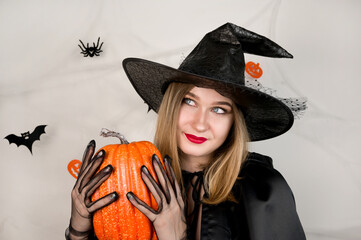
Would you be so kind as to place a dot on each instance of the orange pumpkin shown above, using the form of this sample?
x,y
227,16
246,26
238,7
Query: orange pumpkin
x,y
254,70
121,220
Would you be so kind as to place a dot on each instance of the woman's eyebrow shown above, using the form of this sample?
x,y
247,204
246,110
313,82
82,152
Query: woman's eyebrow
x,y
192,95
223,103
215,103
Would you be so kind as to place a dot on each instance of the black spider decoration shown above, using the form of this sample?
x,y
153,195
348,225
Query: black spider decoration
x,y
91,51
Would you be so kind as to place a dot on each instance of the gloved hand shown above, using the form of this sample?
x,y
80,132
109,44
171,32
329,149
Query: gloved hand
x,y
82,208
169,220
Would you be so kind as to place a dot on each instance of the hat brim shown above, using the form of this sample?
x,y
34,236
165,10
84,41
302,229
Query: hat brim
x,y
265,116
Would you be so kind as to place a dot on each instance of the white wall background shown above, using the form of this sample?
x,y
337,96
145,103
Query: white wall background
x,y
45,80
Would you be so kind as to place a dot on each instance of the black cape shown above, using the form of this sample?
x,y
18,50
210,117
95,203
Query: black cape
x,y
265,210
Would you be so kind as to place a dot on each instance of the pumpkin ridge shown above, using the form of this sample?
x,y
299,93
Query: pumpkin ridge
x,y
116,204
145,155
119,168
131,180
107,188
138,184
102,191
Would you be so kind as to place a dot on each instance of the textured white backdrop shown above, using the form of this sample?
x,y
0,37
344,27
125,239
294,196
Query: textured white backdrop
x,y
45,80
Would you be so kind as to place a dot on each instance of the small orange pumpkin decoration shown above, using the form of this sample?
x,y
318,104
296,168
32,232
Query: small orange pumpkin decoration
x,y
121,220
73,167
254,70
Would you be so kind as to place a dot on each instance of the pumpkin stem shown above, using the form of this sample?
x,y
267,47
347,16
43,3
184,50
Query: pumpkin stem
x,y
107,133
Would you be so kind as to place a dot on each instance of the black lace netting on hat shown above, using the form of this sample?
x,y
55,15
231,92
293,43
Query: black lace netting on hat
x,y
297,106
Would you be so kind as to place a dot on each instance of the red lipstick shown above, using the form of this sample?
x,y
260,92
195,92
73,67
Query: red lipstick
x,y
195,139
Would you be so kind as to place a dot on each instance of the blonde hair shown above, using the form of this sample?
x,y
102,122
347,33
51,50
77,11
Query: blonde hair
x,y
222,171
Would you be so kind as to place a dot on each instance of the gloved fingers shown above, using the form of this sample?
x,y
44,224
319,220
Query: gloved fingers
x,y
168,163
86,165
142,206
172,177
91,169
96,181
103,202
162,177
88,153
169,185
153,187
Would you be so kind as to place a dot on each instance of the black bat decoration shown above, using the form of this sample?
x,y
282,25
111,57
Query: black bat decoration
x,y
27,139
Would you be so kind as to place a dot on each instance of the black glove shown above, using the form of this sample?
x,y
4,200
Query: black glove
x,y
82,208
169,220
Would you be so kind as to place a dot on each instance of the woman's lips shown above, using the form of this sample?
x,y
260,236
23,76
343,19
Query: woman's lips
x,y
195,139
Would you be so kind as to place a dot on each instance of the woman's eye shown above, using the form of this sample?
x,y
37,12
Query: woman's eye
x,y
218,110
189,101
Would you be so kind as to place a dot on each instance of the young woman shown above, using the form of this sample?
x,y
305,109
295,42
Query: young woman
x,y
212,188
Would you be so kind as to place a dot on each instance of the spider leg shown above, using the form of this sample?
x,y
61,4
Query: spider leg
x,y
98,42
84,53
101,46
82,49
82,44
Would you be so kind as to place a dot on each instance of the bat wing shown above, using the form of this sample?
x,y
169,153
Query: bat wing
x,y
35,135
12,138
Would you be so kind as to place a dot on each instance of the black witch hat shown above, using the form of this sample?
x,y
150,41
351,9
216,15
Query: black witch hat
x,y
218,62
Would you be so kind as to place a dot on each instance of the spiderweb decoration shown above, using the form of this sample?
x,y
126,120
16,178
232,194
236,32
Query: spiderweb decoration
x,y
297,105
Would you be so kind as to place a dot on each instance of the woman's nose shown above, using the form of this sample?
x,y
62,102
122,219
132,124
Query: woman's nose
x,y
200,120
